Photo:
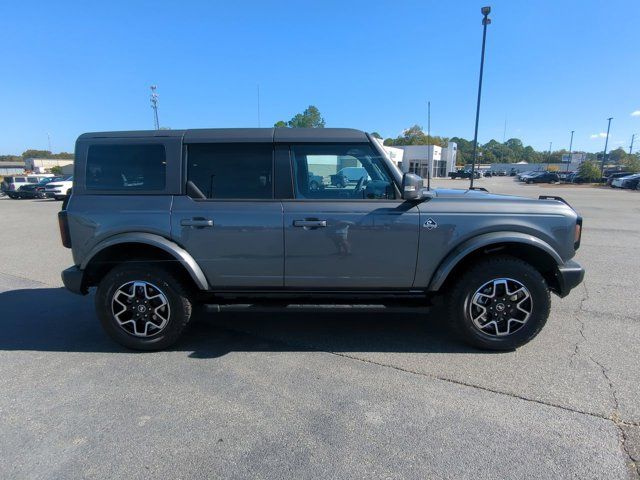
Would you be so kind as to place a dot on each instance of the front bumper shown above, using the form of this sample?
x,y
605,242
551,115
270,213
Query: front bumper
x,y
72,278
570,275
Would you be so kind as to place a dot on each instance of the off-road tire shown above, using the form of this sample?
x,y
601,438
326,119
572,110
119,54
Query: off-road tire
x,y
177,298
479,274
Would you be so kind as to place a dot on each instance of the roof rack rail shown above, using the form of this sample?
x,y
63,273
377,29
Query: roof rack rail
x,y
481,189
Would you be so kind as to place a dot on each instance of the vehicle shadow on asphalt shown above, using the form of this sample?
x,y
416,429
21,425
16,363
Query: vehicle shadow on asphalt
x,y
52,319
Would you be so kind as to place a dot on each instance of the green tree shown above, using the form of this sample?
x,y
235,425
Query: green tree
x,y
616,156
589,171
376,135
415,136
36,154
631,163
56,170
310,118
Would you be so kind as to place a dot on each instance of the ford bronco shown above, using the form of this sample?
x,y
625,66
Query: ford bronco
x,y
162,220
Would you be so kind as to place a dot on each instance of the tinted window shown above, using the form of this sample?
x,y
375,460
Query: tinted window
x,y
231,170
352,172
19,180
126,167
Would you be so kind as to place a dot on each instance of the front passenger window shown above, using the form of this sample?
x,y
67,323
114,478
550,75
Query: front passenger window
x,y
348,172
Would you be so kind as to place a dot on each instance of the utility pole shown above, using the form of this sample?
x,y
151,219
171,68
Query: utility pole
x,y
154,106
606,143
49,141
258,105
549,156
429,154
485,21
570,150
631,146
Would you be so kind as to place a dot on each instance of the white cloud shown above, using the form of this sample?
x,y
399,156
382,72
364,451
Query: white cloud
x,y
635,113
599,135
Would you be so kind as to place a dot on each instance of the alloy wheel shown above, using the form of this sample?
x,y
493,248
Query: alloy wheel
x,y
500,307
140,308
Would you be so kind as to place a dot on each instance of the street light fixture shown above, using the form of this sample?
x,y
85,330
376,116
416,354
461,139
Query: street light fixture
x,y
485,21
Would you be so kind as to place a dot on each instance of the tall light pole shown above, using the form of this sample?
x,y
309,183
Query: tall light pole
x,y
606,142
631,146
485,21
429,155
258,105
154,106
570,151
549,156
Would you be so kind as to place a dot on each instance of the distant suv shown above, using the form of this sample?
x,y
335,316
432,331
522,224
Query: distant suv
x,y
60,189
159,221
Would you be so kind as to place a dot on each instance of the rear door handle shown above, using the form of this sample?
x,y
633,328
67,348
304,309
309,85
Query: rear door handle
x,y
310,223
198,222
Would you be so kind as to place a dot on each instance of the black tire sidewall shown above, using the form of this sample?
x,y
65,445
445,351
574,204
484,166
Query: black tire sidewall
x,y
179,304
486,271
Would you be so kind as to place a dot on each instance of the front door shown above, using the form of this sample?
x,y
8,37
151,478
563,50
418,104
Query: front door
x,y
347,234
229,221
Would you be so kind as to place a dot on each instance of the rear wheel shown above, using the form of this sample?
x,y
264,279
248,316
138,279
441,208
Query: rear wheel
x,y
142,308
500,303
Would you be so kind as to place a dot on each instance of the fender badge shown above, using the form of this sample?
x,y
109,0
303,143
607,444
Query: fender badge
x,y
430,224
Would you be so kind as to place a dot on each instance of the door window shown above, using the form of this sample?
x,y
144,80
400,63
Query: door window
x,y
350,172
226,170
129,167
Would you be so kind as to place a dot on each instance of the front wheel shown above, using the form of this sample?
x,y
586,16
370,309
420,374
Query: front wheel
x,y
501,303
142,308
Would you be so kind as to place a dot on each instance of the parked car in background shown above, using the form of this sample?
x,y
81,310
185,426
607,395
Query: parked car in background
x,y
59,190
629,181
513,172
36,190
488,173
524,175
613,176
543,177
11,184
461,173
502,173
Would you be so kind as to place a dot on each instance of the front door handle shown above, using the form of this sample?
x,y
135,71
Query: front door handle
x,y
198,222
310,223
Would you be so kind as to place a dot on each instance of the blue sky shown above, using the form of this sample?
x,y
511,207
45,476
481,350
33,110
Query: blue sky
x,y
551,67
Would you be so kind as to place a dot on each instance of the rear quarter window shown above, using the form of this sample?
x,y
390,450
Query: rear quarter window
x,y
124,168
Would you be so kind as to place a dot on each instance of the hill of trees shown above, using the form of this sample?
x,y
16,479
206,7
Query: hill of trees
x,y
34,154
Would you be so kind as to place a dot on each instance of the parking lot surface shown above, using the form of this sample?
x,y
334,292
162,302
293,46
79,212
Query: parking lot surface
x,y
332,393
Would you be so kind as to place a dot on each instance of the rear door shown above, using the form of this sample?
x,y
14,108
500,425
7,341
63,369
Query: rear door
x,y
355,236
228,220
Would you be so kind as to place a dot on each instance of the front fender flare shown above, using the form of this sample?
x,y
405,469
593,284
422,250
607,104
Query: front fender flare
x,y
486,240
179,253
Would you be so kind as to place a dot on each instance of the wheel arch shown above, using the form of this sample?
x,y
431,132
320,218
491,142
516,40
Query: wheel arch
x,y
141,247
528,248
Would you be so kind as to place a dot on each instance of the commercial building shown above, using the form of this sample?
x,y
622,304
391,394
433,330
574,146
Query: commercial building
x,y
42,165
417,158
11,168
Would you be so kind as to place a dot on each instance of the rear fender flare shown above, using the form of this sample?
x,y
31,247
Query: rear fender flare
x,y
179,253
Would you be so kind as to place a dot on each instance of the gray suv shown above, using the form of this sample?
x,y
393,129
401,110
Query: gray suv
x,y
161,220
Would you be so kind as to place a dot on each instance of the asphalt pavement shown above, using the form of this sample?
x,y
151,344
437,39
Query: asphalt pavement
x,y
332,393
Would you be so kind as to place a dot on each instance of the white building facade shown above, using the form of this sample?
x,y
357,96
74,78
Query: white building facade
x,y
42,165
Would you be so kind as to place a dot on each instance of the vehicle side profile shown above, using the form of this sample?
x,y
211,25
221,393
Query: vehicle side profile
x,y
159,221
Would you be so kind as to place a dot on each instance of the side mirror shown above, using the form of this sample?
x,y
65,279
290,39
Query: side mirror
x,y
412,187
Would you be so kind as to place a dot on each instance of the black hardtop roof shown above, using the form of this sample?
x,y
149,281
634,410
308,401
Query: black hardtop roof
x,y
242,135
